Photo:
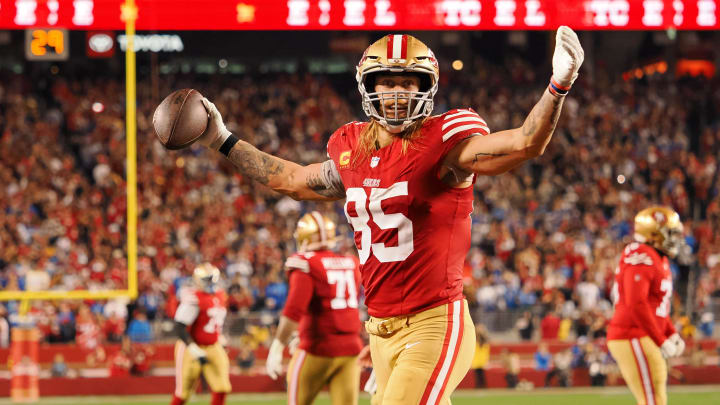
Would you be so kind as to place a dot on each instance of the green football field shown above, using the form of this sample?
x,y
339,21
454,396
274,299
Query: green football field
x,y
685,395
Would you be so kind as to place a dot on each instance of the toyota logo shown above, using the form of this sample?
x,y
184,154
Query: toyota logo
x,y
100,43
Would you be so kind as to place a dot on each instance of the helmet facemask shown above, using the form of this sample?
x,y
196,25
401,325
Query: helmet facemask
x,y
672,240
415,104
206,277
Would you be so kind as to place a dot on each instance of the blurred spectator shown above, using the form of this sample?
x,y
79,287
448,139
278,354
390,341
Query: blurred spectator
x,y
549,326
59,368
481,356
561,368
525,325
696,355
245,359
66,322
113,328
88,335
141,356
707,324
96,357
139,330
588,294
120,362
543,358
511,365
596,360
686,328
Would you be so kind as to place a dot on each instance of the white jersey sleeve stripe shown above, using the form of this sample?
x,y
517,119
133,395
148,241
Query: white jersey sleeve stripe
x,y
455,130
294,262
461,112
464,119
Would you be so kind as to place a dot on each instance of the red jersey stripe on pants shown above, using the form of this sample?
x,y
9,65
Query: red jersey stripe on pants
x,y
421,358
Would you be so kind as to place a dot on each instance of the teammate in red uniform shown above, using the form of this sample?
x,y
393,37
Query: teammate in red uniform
x,y
641,334
323,306
198,323
407,178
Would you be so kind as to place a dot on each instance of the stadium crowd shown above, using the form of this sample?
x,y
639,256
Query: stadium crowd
x,y
546,237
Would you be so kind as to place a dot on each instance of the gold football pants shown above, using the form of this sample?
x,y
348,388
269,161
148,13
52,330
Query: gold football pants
x,y
643,368
421,358
187,370
308,374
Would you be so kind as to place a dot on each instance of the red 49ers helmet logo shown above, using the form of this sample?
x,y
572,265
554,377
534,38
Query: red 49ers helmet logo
x,y
659,218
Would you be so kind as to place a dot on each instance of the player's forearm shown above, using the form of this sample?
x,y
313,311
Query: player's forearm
x,y
286,177
539,126
263,167
182,333
285,329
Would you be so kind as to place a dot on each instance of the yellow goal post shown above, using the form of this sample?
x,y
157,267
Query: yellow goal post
x,y
128,13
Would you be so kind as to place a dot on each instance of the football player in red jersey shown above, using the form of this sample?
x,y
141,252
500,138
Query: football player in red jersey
x,y
198,323
323,305
641,335
407,180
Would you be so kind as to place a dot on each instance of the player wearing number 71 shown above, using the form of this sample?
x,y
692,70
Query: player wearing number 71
x,y
323,306
198,323
407,177
641,335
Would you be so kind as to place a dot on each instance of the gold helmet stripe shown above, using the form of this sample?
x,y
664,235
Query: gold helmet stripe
x,y
321,225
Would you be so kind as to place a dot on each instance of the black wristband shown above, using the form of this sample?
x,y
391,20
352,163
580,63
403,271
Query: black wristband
x,y
228,144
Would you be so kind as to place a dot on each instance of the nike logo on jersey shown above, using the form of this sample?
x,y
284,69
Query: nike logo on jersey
x,y
408,345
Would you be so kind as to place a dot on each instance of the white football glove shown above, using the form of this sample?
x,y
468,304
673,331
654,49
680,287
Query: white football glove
x,y
216,133
197,353
273,364
679,343
371,384
568,56
669,349
293,344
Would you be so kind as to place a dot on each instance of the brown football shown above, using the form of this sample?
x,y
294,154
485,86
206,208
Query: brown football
x,y
180,119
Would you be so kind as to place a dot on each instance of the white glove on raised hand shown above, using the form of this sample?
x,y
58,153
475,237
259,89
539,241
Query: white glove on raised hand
x,y
669,349
273,364
216,133
679,343
197,353
568,57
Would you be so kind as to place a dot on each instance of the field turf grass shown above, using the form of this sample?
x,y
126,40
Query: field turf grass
x,y
682,395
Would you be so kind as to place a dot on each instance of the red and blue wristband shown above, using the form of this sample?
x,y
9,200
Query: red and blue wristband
x,y
556,89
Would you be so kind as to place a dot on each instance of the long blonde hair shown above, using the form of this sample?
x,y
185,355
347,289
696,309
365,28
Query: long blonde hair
x,y
370,134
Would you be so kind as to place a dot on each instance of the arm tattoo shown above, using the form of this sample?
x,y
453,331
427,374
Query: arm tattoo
x,y
255,164
478,155
328,182
532,123
555,115
529,130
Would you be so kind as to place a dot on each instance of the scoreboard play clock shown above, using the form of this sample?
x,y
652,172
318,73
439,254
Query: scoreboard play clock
x,y
46,44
